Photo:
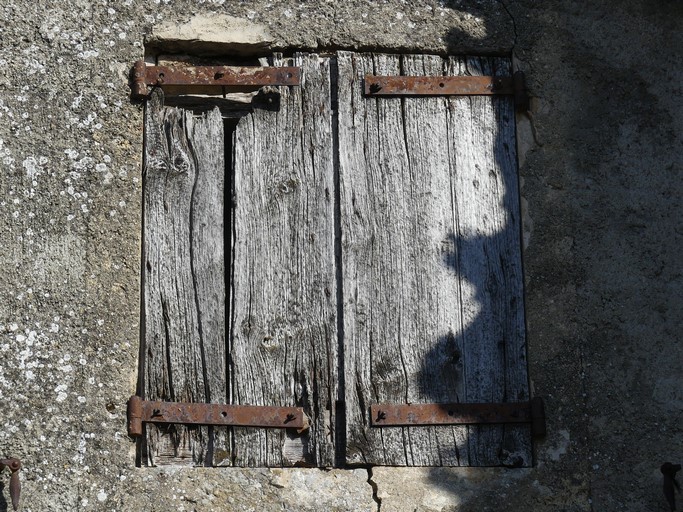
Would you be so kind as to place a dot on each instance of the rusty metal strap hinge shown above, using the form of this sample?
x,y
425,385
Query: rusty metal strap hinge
x,y
143,411
214,76
391,415
14,466
448,86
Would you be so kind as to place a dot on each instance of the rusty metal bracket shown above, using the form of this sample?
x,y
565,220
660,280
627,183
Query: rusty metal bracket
x,y
448,86
14,466
226,78
437,85
143,411
412,415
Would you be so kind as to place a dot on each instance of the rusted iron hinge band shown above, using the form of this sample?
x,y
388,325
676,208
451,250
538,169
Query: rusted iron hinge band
x,y
219,76
142,411
447,86
14,466
392,415
436,85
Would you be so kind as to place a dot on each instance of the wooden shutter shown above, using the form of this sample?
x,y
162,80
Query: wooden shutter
x,y
282,301
428,268
432,278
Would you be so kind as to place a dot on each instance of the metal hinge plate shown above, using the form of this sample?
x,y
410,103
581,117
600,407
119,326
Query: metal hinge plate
x,y
412,415
14,466
220,77
448,86
143,411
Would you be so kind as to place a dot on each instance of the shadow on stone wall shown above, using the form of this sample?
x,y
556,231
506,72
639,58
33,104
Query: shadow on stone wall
x,y
4,506
606,193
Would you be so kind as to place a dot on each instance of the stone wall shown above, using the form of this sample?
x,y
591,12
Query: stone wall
x,y
601,169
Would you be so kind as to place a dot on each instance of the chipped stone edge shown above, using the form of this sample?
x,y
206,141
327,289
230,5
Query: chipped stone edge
x,y
210,36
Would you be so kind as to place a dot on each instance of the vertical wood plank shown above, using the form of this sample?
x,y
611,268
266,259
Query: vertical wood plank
x,y
516,449
283,327
207,146
487,233
477,203
183,274
357,128
436,351
431,281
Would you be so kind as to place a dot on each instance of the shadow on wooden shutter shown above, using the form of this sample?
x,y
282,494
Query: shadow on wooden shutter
x,y
432,279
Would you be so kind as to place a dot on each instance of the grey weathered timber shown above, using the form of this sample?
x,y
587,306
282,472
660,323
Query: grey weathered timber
x,y
283,348
184,289
432,283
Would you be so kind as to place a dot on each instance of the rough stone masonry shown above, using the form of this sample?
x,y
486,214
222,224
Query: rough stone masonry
x,y
601,186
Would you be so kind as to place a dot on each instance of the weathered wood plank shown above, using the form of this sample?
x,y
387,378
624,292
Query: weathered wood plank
x,y
183,274
488,234
437,350
283,291
206,138
477,206
432,296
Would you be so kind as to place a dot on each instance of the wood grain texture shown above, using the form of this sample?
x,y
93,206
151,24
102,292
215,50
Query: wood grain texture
x,y
283,290
184,291
431,264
